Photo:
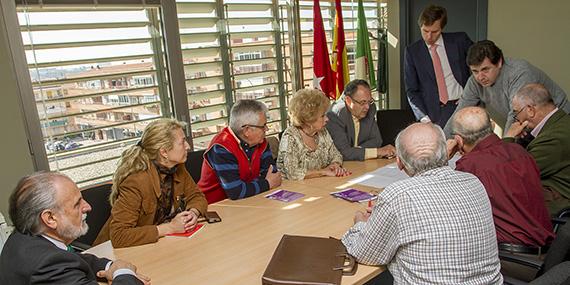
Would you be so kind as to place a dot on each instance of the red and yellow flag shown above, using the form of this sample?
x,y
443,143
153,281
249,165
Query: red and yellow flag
x,y
322,74
340,60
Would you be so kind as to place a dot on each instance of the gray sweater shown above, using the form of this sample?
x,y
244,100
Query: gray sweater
x,y
514,74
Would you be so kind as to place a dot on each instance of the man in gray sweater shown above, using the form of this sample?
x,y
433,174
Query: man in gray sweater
x,y
495,80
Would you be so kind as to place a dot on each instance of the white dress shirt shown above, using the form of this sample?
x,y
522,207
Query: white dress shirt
x,y
454,89
117,272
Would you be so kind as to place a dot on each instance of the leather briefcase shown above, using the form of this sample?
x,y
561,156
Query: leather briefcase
x,y
308,260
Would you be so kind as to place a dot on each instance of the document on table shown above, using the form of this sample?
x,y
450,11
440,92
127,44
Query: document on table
x,y
388,174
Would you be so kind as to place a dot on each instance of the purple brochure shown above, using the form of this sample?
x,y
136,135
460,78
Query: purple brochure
x,y
284,195
354,195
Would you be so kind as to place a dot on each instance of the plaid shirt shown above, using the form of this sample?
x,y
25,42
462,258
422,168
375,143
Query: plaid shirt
x,y
433,228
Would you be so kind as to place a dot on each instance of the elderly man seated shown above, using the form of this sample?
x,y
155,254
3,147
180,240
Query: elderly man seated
x,y
534,108
238,163
48,213
511,179
435,227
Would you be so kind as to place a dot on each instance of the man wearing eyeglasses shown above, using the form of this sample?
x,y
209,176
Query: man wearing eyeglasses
x,y
496,80
533,108
353,127
238,163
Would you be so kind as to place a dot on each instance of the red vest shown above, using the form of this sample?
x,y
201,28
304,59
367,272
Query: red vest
x,y
210,183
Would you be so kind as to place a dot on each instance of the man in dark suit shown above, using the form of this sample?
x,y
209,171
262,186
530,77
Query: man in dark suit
x,y
48,213
353,127
435,70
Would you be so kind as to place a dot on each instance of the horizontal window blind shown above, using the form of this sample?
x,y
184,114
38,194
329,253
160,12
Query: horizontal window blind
x,y
97,82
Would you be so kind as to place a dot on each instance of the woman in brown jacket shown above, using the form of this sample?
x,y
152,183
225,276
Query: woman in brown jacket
x,y
153,195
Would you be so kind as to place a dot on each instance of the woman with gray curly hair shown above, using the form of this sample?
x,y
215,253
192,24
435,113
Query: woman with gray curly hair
x,y
306,149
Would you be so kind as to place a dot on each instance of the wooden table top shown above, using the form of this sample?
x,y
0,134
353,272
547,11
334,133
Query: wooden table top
x,y
237,250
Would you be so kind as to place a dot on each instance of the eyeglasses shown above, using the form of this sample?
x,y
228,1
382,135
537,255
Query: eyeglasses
x,y
516,113
262,127
364,102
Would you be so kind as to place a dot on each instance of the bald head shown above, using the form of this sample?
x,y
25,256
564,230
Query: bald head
x,y
421,147
472,124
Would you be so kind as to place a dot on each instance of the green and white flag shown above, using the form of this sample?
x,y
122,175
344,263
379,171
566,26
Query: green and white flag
x,y
364,62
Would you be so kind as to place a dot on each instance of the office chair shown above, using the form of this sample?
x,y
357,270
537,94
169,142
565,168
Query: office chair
x,y
273,142
391,122
561,218
558,275
194,164
98,197
557,257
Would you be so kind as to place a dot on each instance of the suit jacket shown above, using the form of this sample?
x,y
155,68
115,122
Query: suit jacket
x,y
132,215
419,75
29,259
341,129
552,155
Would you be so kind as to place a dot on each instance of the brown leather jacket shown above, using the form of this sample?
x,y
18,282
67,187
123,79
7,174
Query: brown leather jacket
x,y
132,215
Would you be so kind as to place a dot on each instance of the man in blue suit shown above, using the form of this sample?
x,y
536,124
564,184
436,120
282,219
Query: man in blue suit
x,y
435,69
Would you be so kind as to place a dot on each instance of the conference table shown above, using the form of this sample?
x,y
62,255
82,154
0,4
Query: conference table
x,y
238,249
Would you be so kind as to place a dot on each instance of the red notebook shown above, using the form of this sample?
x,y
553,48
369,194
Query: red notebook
x,y
188,233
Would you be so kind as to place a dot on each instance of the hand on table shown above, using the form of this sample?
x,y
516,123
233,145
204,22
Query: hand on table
x,y
121,264
183,222
387,151
337,170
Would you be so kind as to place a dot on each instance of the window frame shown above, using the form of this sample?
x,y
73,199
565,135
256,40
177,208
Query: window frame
x,y
289,77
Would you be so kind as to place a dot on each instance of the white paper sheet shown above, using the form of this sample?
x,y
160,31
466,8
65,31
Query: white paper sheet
x,y
388,174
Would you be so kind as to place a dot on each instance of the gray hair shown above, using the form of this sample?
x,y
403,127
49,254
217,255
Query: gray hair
x,y
472,132
534,94
246,112
415,164
34,194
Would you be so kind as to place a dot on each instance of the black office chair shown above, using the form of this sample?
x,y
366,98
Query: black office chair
x,y
273,142
194,164
564,213
560,218
98,197
559,253
391,122
558,275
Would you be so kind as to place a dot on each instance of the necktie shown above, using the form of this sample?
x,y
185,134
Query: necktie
x,y
441,88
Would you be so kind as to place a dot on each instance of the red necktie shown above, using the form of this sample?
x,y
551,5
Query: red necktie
x,y
441,88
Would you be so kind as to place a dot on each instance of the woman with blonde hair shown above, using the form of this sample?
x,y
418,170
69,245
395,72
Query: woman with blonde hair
x,y
306,149
153,194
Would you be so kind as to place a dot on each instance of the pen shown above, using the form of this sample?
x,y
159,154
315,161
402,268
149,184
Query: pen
x,y
369,203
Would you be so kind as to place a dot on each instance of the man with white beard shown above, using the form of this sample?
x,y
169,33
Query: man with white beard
x,y
48,213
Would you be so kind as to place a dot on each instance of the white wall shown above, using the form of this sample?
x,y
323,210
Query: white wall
x,y
14,153
536,31
394,55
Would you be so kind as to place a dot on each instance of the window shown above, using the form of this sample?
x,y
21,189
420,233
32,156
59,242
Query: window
x,y
101,73
94,76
